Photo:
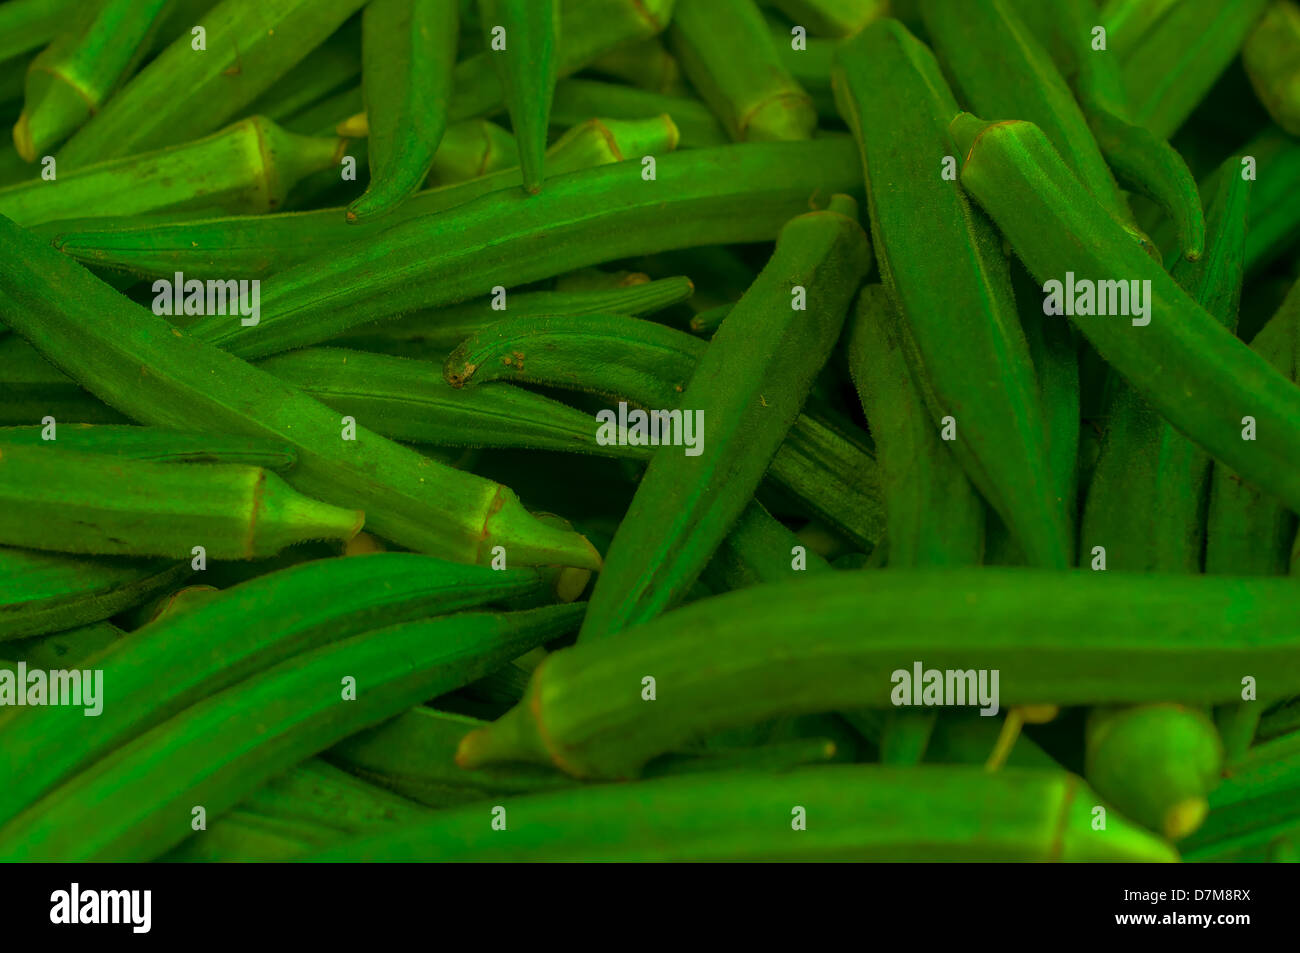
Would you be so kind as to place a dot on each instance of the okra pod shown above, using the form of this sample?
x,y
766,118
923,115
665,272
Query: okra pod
x,y
249,44
66,649
49,592
28,24
646,64
152,443
796,647
155,673
249,167
221,749
1271,58
936,253
94,504
523,40
408,53
577,100
703,197
855,812
833,18
102,340
469,150
31,389
1190,368
334,64
745,392
728,55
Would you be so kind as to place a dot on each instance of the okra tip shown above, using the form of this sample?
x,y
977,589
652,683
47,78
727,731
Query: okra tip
x,y
1185,817
23,138
515,736
531,541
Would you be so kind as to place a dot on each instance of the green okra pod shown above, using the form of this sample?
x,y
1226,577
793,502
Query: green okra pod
x,y
704,197
831,642
809,62
408,400
102,340
95,504
246,168
153,443
1271,57
1128,21
155,673
745,392
577,100
253,246
833,18
248,45
31,389
471,149
28,24
322,74
729,56
408,52
223,748
523,41
934,517
940,253
1155,763
72,77
862,812
1190,368
646,64
66,649
49,592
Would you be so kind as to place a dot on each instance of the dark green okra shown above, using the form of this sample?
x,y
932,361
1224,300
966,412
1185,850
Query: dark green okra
x,y
223,748
1271,58
646,64
471,149
253,246
323,74
185,93
577,100
745,392
833,18
408,52
703,197
729,56
66,649
246,168
796,647
156,673
523,42
936,253
855,813
95,504
1184,362
29,24
103,340
153,443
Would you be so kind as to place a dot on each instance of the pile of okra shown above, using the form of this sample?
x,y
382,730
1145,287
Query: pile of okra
x,y
650,430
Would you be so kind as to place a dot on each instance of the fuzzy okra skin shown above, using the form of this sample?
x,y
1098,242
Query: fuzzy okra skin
x,y
832,641
153,443
706,197
526,55
746,389
95,504
48,592
938,253
157,672
855,813
408,52
250,246
249,45
138,799
246,168
1191,369
102,340
728,54
71,78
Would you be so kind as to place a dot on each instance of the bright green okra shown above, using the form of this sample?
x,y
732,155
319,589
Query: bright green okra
x,y
1190,368
185,93
103,340
253,246
855,813
221,749
577,100
95,504
249,167
156,673
408,52
833,640
73,76
702,197
745,392
29,24
729,56
523,42
937,253
153,443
